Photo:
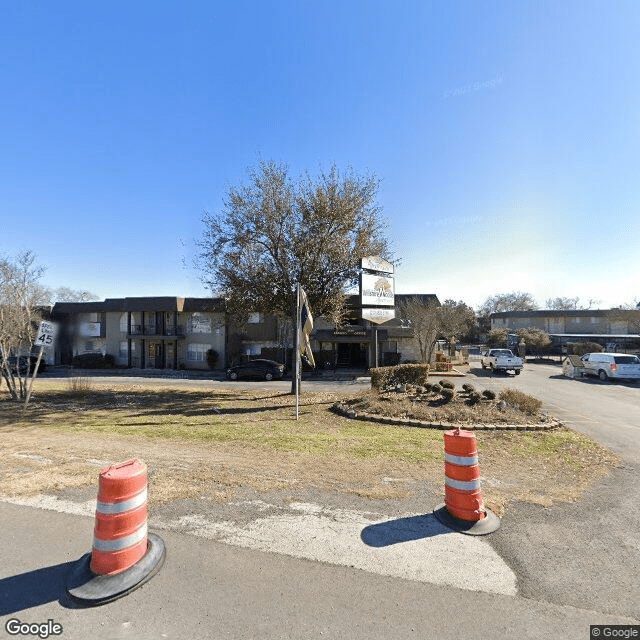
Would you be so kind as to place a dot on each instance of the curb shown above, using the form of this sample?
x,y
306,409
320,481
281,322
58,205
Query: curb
x,y
346,412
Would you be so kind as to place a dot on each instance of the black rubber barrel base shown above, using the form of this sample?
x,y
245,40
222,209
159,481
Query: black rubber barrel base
x,y
488,524
90,590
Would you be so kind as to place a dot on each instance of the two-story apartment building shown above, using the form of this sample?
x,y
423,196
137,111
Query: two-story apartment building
x,y
149,333
597,325
178,333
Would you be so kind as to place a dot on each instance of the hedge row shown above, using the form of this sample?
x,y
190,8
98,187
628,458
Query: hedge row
x,y
400,374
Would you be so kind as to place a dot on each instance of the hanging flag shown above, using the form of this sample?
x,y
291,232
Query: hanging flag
x,y
306,326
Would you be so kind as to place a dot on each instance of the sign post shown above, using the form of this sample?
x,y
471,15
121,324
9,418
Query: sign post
x,y
46,338
376,296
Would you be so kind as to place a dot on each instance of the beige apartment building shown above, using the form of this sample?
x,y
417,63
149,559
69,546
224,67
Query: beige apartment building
x,y
146,333
178,333
598,325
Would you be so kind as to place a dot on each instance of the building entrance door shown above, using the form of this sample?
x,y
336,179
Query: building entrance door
x,y
352,354
154,355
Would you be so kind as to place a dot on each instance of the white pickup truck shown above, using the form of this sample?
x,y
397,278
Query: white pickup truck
x,y
501,360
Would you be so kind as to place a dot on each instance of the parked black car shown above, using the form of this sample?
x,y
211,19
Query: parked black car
x,y
19,366
259,368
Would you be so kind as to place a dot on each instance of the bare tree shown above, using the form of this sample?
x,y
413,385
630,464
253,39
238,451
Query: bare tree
x,y
455,319
629,313
66,294
432,321
560,304
421,314
514,301
21,298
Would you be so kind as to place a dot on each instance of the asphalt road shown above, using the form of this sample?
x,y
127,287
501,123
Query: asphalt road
x,y
235,577
609,412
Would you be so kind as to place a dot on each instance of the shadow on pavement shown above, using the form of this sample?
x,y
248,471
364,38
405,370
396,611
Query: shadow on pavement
x,y
35,588
384,534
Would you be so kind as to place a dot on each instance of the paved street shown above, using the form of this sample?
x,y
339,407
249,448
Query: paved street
x,y
609,412
310,570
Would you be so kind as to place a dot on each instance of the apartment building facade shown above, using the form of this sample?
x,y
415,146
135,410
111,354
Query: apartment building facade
x,y
598,325
146,333
179,333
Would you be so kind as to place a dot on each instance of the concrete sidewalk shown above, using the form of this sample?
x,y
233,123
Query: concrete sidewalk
x,y
208,589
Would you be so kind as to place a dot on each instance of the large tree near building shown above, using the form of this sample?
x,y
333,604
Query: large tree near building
x,y
562,304
21,299
629,313
456,319
514,301
535,339
276,231
431,321
421,314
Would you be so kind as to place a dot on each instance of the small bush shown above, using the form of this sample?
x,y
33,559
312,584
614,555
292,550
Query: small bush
x,y
474,397
488,394
445,384
79,385
448,394
212,358
469,388
415,374
580,348
526,403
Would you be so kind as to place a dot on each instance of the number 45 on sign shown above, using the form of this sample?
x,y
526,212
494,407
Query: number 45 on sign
x,y
46,334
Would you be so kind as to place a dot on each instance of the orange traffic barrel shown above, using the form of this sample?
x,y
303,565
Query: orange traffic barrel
x,y
124,555
463,496
120,532
464,508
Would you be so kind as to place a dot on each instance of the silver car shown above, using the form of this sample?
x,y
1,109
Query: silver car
x,y
616,366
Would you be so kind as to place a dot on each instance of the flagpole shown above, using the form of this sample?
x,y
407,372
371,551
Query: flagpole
x,y
297,350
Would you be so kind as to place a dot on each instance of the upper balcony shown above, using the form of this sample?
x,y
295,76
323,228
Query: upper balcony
x,y
153,331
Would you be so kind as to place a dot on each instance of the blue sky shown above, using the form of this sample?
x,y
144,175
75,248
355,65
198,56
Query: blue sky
x,y
506,135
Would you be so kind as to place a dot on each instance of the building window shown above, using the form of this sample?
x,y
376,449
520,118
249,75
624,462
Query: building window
x,y
124,323
254,318
123,353
197,352
199,323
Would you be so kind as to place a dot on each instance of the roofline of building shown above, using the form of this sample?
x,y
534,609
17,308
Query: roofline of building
x,y
541,313
169,303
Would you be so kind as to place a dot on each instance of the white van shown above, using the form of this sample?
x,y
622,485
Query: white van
x,y
618,366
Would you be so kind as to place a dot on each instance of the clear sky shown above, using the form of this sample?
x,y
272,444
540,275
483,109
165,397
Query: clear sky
x,y
506,134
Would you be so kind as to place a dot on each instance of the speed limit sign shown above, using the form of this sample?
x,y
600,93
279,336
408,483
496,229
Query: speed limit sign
x,y
46,333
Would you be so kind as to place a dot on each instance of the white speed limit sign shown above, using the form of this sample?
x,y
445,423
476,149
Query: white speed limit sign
x,y
46,333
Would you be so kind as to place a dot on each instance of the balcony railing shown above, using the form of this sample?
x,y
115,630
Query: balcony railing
x,y
154,330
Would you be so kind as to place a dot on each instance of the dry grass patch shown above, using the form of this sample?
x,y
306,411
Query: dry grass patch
x,y
212,442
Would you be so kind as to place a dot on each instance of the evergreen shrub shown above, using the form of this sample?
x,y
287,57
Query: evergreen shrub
x,y
415,374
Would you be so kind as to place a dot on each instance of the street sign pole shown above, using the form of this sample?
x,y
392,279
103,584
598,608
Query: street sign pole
x,y
33,377
46,337
376,297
